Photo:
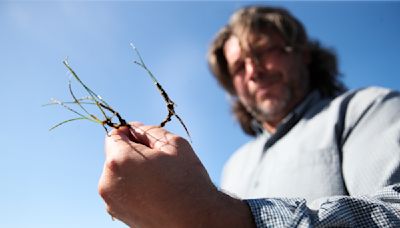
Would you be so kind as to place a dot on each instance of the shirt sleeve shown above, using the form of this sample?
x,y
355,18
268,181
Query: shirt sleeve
x,y
379,210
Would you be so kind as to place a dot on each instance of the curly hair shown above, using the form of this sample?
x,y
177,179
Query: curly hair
x,y
248,21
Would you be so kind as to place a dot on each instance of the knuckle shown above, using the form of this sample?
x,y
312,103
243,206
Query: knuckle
x,y
177,140
107,184
112,164
104,191
119,164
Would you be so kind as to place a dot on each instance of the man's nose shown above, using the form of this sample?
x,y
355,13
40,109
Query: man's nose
x,y
252,69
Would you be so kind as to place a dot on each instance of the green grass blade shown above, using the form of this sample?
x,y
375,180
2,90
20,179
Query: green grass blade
x,y
76,112
142,64
71,102
91,93
170,104
75,99
102,110
66,121
83,100
98,100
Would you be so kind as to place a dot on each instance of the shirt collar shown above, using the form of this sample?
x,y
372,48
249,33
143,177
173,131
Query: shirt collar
x,y
301,108
292,118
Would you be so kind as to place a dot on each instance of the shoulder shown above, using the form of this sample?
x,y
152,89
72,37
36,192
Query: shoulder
x,y
366,96
368,99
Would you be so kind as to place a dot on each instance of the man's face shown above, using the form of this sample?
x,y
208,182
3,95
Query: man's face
x,y
269,80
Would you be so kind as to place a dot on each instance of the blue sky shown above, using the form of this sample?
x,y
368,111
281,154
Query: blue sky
x,y
49,179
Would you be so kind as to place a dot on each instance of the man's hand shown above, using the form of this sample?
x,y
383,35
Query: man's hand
x,y
153,178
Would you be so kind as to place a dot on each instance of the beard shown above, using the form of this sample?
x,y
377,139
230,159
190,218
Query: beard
x,y
270,109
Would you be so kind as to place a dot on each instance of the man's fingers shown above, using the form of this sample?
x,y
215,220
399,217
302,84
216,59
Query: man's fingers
x,y
119,143
152,136
140,137
120,134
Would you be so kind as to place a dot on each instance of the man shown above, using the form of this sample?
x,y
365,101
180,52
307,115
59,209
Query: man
x,y
321,157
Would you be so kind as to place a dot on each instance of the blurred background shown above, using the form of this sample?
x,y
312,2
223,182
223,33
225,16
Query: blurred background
x,y
49,179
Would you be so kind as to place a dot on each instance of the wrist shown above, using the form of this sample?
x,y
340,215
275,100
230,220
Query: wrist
x,y
226,211
234,212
